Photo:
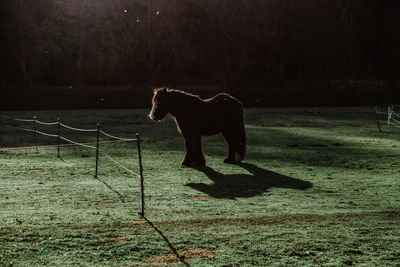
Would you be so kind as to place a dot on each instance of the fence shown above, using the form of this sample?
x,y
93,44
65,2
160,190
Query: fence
x,y
91,145
387,114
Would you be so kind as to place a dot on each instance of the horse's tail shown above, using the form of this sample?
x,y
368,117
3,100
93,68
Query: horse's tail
x,y
235,133
242,139
240,132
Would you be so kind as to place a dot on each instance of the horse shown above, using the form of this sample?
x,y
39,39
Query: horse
x,y
196,117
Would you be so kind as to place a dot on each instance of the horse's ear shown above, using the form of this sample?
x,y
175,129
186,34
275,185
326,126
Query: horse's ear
x,y
160,90
163,90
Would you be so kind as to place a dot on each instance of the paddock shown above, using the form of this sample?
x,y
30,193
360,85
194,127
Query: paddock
x,y
319,186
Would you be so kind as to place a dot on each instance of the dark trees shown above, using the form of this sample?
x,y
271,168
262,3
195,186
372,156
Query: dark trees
x,y
128,42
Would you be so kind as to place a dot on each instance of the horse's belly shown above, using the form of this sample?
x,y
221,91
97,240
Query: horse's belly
x,y
212,126
211,131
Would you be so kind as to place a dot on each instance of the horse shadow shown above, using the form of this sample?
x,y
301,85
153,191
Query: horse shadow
x,y
245,185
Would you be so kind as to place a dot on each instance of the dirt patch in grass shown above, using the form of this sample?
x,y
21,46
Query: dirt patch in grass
x,y
138,221
184,254
101,203
106,227
207,198
284,219
201,197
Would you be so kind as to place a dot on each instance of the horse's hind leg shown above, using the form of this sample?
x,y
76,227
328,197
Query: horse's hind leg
x,y
230,139
236,143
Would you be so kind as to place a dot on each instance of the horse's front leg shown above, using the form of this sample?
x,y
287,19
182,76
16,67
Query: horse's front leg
x,y
187,160
198,155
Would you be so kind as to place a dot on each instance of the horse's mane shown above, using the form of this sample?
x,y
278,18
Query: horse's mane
x,y
183,94
180,95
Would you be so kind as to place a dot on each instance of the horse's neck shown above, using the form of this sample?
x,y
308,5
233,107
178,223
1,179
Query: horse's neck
x,y
183,104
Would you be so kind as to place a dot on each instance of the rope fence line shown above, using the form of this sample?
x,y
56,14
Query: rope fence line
x,y
47,134
117,138
120,165
394,124
396,121
16,119
98,131
76,143
67,127
52,135
47,123
77,129
386,113
63,145
19,128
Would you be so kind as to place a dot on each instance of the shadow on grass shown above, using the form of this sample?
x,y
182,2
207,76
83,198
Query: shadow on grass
x,y
171,247
121,197
245,185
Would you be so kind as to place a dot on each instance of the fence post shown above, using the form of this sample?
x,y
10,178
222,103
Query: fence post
x,y
377,118
141,173
1,124
35,132
58,137
390,110
97,150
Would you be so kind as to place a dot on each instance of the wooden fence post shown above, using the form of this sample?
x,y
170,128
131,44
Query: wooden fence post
x,y
35,132
141,173
97,150
58,137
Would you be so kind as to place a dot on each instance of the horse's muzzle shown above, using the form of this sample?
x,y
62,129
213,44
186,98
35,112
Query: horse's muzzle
x,y
153,118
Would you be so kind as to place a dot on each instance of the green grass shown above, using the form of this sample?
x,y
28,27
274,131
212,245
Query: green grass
x,y
319,186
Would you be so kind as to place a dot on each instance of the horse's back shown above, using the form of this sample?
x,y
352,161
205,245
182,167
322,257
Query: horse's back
x,y
224,101
220,112
225,105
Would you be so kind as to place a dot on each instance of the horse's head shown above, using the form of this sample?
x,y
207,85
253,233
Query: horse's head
x,y
160,108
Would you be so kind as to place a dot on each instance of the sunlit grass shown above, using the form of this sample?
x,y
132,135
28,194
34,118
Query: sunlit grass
x,y
318,187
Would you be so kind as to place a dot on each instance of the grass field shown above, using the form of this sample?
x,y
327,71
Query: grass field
x,y
319,186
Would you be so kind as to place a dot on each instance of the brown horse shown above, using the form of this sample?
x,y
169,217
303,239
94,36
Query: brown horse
x,y
195,117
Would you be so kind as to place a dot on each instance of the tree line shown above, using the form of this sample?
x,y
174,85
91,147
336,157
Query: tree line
x,y
178,42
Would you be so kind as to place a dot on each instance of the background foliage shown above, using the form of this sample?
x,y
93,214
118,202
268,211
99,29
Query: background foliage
x,y
130,42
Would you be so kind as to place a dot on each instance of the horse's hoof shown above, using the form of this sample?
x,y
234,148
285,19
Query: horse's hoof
x,y
229,160
186,163
237,157
198,164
